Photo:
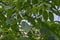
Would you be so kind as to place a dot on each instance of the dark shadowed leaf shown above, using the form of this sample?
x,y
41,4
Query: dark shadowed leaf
x,y
51,16
45,15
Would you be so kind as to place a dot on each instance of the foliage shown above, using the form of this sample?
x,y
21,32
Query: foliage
x,y
28,20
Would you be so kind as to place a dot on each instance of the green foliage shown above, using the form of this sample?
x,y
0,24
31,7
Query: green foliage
x,y
37,26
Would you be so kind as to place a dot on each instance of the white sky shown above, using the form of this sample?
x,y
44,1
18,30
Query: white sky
x,y
56,17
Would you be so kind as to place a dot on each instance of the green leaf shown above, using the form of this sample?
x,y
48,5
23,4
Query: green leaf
x,y
10,12
19,4
45,15
51,16
34,9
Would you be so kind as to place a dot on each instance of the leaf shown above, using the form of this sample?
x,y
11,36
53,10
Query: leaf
x,y
10,12
39,9
51,16
34,9
45,15
19,4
